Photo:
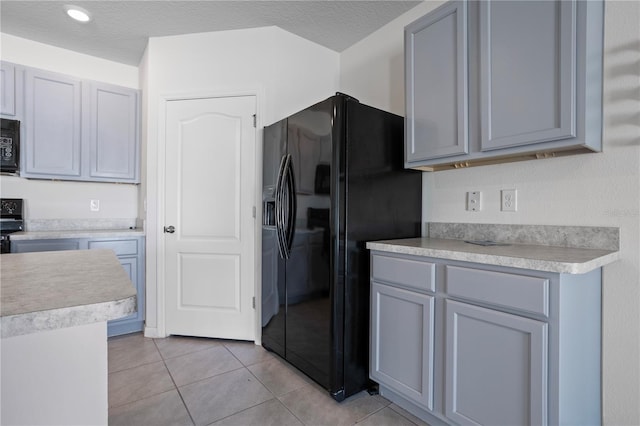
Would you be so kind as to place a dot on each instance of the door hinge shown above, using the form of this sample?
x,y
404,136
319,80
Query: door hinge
x,y
255,121
254,302
254,212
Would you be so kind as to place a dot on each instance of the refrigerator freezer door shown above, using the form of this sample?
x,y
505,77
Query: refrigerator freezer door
x,y
273,265
308,324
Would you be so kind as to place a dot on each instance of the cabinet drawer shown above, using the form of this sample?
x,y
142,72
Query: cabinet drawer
x,y
521,292
122,248
405,272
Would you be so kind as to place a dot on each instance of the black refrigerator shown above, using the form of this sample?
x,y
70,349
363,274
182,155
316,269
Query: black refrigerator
x,y
333,179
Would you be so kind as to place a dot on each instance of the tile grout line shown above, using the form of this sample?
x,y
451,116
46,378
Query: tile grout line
x,y
253,359
175,386
401,414
276,397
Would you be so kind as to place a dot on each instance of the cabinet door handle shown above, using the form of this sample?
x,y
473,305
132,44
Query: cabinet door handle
x,y
169,229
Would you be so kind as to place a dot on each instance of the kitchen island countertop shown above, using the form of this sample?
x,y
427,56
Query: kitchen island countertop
x,y
569,260
51,290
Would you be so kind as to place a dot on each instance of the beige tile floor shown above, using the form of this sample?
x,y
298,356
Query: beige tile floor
x,y
187,381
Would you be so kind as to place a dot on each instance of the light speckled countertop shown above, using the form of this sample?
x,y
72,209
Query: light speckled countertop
x,y
77,233
50,290
568,260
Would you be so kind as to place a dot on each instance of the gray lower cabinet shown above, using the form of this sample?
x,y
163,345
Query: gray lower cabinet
x,y
470,344
502,81
130,252
402,342
79,129
496,367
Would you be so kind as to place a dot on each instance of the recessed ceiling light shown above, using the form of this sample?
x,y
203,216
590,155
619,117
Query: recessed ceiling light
x,y
78,13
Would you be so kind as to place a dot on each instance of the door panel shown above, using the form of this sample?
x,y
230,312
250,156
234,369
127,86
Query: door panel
x,y
209,281
210,179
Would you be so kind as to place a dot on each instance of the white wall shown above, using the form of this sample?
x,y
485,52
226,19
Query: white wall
x,y
287,73
69,200
592,189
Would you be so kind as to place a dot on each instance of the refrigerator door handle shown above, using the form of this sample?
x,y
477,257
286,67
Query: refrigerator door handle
x,y
279,209
292,206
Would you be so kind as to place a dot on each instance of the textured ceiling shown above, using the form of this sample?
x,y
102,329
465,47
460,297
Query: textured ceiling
x,y
120,29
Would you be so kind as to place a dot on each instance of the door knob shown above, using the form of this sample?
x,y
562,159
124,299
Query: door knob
x,y
169,229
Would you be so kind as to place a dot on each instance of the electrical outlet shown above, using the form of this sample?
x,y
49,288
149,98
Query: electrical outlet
x,y
94,205
509,200
474,201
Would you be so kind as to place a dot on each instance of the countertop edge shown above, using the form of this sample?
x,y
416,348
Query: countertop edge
x,y
52,235
515,261
33,322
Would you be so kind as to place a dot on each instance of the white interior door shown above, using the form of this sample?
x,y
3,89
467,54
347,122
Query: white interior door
x,y
209,199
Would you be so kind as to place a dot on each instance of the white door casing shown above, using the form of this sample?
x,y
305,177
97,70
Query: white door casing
x,y
209,196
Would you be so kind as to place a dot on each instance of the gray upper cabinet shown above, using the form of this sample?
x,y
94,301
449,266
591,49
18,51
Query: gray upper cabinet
x,y
534,76
79,130
527,72
437,72
9,87
113,133
52,125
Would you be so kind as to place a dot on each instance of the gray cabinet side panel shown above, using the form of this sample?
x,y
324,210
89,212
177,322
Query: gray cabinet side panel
x,y
436,61
494,360
53,124
578,350
528,72
113,132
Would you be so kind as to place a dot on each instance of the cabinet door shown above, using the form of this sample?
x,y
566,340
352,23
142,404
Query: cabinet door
x,y
496,367
527,72
402,327
436,64
29,246
113,133
7,89
53,120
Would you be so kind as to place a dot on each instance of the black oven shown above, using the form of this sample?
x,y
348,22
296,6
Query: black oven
x,y
11,221
10,146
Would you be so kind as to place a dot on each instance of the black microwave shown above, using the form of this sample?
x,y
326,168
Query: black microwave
x,y
10,146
